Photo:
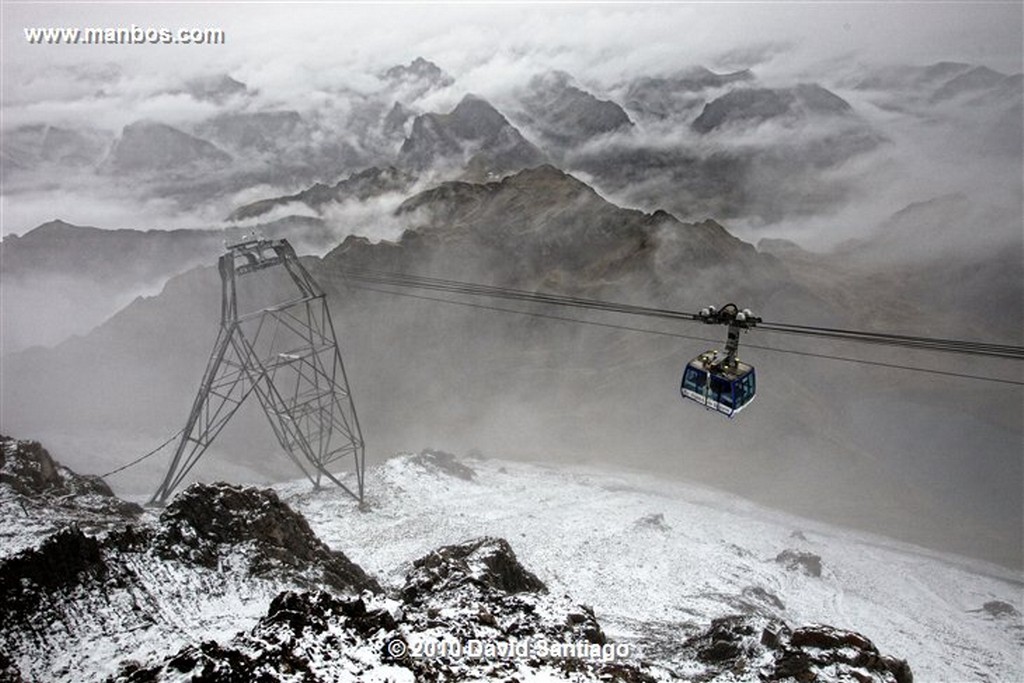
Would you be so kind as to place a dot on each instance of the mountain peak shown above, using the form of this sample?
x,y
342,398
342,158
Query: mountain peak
x,y
568,115
151,145
420,69
543,176
56,225
756,105
477,117
216,88
474,135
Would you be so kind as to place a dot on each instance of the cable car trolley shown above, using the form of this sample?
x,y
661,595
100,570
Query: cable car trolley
x,y
716,379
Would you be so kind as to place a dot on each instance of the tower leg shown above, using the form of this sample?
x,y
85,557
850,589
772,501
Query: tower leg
x,y
224,388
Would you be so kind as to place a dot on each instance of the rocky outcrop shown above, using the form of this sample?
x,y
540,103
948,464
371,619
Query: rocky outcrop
x,y
208,521
444,463
214,547
47,574
312,636
28,470
486,564
9,673
800,561
474,592
478,592
767,649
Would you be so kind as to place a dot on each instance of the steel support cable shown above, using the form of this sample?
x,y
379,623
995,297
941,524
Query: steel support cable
x,y
592,304
628,328
147,455
454,286
951,345
1005,351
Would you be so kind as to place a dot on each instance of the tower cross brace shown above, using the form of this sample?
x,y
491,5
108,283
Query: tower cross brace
x,y
286,354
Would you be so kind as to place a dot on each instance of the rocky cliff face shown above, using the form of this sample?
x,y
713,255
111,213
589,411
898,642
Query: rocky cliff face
x,y
205,522
773,651
39,495
215,555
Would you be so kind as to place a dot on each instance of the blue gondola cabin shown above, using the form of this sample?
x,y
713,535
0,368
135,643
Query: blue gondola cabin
x,y
726,389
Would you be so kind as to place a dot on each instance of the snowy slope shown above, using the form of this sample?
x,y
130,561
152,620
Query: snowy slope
x,y
596,535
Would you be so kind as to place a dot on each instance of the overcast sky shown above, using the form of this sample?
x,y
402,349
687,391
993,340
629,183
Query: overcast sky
x,y
282,45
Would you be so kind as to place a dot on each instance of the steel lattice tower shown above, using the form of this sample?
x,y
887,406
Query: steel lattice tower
x,y
288,355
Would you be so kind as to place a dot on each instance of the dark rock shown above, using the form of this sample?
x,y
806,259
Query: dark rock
x,y
488,563
655,520
314,611
206,518
762,596
444,462
999,609
9,672
63,561
29,469
828,638
723,641
778,653
317,636
773,634
798,560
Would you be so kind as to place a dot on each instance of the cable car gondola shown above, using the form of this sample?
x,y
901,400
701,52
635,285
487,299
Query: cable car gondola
x,y
717,379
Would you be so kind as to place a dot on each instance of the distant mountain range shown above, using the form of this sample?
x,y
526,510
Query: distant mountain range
x,y
552,118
